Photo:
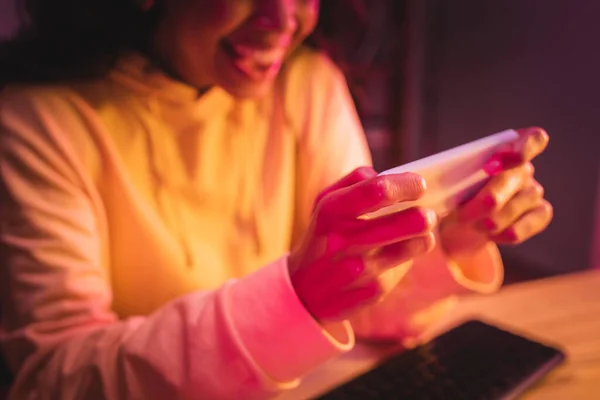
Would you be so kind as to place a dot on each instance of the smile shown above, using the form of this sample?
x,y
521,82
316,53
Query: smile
x,y
256,62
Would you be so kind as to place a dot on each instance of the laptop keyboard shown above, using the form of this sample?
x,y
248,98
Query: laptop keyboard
x,y
473,361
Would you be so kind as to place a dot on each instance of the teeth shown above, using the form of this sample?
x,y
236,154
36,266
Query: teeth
x,y
266,57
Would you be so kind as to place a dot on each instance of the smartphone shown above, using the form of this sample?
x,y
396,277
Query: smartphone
x,y
453,175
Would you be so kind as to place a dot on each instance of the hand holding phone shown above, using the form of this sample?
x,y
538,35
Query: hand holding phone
x,y
452,176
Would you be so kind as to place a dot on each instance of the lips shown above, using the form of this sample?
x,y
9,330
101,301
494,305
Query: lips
x,y
256,61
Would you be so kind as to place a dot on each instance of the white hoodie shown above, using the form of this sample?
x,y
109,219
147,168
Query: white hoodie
x,y
145,232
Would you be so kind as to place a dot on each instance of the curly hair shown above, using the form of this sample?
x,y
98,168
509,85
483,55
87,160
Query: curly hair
x,y
72,39
75,39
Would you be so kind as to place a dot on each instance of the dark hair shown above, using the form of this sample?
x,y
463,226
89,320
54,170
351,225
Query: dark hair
x,y
72,39
82,39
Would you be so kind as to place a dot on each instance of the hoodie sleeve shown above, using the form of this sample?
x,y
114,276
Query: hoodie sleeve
x,y
57,331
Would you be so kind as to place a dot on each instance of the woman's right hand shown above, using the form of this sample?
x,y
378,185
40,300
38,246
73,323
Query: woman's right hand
x,y
335,270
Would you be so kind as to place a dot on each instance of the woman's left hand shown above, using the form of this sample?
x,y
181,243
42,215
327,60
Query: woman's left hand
x,y
511,207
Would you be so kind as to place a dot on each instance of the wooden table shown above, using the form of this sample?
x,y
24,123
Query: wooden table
x,y
564,311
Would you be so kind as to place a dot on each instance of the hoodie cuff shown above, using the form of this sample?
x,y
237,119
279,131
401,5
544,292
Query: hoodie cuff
x,y
278,334
481,273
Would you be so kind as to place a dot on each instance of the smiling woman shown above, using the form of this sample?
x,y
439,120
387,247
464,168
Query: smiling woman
x,y
204,43
180,206
68,39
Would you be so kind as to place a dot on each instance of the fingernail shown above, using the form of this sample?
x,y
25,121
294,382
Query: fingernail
x,y
489,201
512,158
510,235
488,224
423,183
493,167
544,137
431,218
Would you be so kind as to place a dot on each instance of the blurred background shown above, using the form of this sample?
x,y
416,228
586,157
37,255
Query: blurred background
x,y
427,75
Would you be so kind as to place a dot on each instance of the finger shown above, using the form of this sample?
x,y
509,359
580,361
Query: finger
x,y
318,284
339,305
524,201
358,175
527,226
362,235
531,142
496,193
395,254
355,269
339,274
352,202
